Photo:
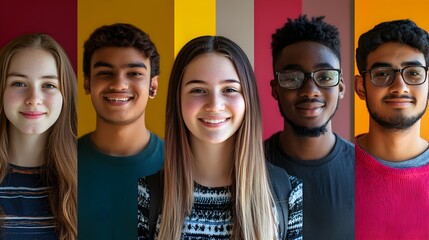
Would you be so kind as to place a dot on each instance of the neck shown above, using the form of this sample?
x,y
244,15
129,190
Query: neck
x,y
391,145
306,148
121,140
214,162
26,150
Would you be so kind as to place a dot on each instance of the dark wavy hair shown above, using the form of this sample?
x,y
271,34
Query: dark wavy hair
x,y
120,35
304,29
402,31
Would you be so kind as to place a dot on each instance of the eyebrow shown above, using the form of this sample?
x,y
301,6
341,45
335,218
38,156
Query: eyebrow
x,y
299,67
203,82
129,65
14,74
384,64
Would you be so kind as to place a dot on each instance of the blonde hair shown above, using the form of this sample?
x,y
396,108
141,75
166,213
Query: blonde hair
x,y
60,154
253,217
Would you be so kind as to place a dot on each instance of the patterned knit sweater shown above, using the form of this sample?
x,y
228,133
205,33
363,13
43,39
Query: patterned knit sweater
x,y
211,216
391,203
25,205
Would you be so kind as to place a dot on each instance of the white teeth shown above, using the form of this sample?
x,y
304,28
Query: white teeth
x,y
117,99
214,121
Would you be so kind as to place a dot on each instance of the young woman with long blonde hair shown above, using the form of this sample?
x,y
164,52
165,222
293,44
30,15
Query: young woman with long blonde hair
x,y
38,170
216,180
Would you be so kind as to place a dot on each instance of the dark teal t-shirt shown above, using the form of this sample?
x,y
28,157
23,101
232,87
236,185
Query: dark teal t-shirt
x,y
107,189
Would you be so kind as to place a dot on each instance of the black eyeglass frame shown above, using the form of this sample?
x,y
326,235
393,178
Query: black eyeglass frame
x,y
395,70
308,75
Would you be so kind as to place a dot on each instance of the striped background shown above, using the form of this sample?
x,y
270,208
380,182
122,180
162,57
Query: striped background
x,y
171,23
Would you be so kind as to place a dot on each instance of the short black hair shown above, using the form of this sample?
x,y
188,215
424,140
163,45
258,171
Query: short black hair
x,y
120,35
304,29
401,31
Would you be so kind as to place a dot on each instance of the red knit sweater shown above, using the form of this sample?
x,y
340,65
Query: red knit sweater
x,y
390,203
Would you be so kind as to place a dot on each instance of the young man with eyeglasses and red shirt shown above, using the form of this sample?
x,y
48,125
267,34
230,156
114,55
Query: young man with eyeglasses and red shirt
x,y
308,86
392,159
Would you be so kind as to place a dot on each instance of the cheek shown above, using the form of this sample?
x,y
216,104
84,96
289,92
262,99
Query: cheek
x,y
10,101
190,108
239,107
56,102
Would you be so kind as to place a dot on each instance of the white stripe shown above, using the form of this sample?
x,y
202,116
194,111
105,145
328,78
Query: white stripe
x,y
23,196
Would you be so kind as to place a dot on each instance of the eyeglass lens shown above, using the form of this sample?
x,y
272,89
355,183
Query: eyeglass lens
x,y
384,76
293,79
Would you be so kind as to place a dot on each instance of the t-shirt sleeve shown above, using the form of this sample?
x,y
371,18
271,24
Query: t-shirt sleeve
x,y
294,231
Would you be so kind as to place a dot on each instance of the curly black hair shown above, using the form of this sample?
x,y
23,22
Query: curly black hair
x,y
120,35
304,29
402,31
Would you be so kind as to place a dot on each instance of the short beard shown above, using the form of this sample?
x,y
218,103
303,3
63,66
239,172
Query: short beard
x,y
302,131
397,123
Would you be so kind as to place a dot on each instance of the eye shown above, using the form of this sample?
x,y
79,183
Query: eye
x,y
103,73
230,90
197,91
49,85
135,74
325,78
18,84
381,72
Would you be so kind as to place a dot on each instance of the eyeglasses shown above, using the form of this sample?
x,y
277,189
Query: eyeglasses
x,y
384,76
295,79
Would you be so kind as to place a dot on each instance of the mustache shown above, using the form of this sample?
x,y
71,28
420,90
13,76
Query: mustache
x,y
396,96
309,100
115,91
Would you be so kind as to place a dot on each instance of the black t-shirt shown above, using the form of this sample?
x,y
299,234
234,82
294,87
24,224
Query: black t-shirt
x,y
329,186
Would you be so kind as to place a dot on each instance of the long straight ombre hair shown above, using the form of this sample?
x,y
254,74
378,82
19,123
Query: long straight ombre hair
x,y
60,168
253,217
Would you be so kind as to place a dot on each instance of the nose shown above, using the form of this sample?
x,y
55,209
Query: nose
x,y
215,103
309,89
34,96
398,85
119,83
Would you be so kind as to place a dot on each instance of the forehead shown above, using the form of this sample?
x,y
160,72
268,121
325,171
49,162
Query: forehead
x,y
33,61
210,66
307,55
395,54
119,56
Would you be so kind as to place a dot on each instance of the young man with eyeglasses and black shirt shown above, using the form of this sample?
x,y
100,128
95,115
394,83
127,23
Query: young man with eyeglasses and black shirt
x,y
308,86
392,160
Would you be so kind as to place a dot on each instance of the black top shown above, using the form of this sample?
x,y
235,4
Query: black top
x,y
329,185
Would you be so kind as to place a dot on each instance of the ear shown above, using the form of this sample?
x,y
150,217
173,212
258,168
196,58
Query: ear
x,y
359,87
341,88
86,86
274,86
153,88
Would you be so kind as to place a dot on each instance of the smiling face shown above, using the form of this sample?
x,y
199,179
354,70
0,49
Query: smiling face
x,y
119,84
307,110
399,105
32,98
212,102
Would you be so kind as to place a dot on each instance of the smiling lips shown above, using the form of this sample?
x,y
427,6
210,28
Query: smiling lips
x,y
32,114
310,109
118,98
399,102
123,99
214,122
